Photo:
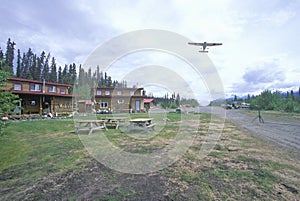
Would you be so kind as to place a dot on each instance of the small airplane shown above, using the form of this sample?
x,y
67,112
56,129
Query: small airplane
x,y
204,45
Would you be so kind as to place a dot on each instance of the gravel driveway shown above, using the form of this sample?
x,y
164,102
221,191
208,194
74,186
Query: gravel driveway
x,y
282,132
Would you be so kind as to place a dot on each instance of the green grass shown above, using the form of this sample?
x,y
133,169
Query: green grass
x,y
35,149
274,115
36,152
32,151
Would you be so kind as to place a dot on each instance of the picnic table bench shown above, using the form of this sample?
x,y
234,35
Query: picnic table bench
x,y
114,121
141,124
91,124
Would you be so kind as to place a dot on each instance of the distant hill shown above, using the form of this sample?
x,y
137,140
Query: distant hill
x,y
230,99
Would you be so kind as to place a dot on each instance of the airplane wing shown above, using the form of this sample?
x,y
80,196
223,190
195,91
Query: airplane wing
x,y
213,44
199,44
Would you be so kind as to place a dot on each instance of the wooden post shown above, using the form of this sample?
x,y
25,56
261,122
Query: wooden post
x,y
52,101
41,106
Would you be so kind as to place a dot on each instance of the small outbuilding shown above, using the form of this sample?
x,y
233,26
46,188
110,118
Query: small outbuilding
x,y
148,103
84,106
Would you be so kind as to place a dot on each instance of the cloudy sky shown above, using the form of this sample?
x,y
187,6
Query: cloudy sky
x,y
260,37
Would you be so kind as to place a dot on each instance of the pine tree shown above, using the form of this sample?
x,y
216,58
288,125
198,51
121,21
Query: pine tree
x,y
46,68
178,99
19,72
73,73
292,95
81,76
34,68
105,79
24,66
8,100
2,60
59,79
98,73
53,71
70,74
109,81
101,80
29,62
39,67
64,76
1,55
9,57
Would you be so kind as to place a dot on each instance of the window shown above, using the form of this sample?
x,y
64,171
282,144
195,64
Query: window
x,y
99,92
104,105
121,101
17,87
131,93
32,102
119,93
107,93
35,87
52,88
62,90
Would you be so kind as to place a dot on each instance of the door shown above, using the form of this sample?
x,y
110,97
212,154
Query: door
x,y
137,105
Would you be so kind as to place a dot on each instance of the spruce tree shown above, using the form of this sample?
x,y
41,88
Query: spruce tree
x,y
72,73
39,68
9,56
292,95
81,76
8,100
64,76
29,57
53,71
19,58
24,66
1,59
34,69
46,68
59,79
1,55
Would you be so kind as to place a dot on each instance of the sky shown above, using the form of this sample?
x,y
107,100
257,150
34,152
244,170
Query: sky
x,y
260,37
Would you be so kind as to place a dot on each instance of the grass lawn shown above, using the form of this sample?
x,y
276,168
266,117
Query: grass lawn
x,y
275,115
45,160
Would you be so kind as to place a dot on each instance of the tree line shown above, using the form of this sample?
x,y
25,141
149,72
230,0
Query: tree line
x,y
278,101
43,66
174,101
268,100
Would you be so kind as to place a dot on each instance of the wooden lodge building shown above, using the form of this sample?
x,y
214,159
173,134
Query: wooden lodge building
x,y
119,100
38,97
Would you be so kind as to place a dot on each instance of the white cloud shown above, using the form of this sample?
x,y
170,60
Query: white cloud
x,y
252,32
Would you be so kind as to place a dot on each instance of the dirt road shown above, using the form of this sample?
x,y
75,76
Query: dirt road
x,y
279,130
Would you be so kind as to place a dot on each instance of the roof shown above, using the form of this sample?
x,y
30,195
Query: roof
x,y
119,88
148,100
41,93
38,81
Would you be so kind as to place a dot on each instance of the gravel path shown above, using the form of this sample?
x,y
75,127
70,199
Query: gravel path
x,y
286,134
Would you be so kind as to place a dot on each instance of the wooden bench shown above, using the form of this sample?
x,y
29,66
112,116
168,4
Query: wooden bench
x,y
141,124
91,124
151,126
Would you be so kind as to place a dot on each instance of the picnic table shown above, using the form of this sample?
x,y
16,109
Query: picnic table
x,y
141,124
115,120
91,124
